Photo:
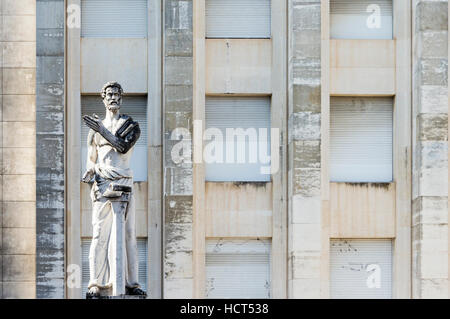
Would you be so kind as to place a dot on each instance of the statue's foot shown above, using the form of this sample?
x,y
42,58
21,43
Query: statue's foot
x,y
136,291
93,292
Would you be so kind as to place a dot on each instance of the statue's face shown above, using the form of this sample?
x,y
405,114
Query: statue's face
x,y
112,99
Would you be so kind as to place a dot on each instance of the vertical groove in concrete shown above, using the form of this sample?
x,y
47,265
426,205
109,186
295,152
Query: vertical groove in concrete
x,y
177,113
50,149
304,143
430,149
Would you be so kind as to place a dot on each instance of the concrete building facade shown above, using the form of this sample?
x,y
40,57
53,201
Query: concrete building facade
x,y
349,101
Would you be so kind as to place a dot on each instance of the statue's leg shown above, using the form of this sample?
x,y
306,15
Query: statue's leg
x,y
98,253
131,246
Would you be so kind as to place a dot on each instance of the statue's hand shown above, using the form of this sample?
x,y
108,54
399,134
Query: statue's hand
x,y
94,122
88,175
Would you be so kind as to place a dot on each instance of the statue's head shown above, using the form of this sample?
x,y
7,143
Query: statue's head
x,y
112,96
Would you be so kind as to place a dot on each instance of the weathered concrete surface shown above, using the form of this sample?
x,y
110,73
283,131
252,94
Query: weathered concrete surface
x,y
50,149
17,149
177,106
430,149
304,174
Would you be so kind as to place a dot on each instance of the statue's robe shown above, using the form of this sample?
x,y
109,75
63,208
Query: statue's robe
x,y
104,205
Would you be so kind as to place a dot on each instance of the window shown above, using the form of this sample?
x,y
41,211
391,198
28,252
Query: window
x,y
237,18
361,139
237,147
114,18
134,106
361,268
361,19
238,268
142,257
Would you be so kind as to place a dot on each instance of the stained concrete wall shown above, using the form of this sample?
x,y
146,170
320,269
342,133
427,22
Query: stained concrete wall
x,y
50,162
177,113
430,149
17,148
304,156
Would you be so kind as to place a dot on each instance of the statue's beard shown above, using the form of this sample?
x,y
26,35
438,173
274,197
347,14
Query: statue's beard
x,y
113,107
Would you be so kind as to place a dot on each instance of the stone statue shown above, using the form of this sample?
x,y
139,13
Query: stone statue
x,y
113,262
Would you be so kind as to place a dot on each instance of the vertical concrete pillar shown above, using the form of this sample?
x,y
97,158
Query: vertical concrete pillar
x,y
430,149
17,149
304,159
177,161
50,20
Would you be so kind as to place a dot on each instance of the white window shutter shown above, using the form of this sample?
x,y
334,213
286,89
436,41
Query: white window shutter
x,y
361,139
238,268
237,18
114,18
134,106
142,258
361,268
239,112
361,19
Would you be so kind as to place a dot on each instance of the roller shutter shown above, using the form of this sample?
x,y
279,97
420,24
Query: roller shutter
x,y
250,114
237,18
238,268
114,18
142,257
361,268
134,106
361,19
361,139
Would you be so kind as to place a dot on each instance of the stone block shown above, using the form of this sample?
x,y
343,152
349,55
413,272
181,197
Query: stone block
x,y
178,42
434,71
178,181
304,126
178,71
20,28
178,209
19,241
306,16
19,54
306,210
305,288
178,238
19,290
433,99
53,158
179,288
19,188
19,214
50,42
19,81
434,288
178,265
47,63
305,237
433,182
306,154
178,15
432,15
432,127
50,97
19,268
306,181
433,44
306,98
19,108
50,229
178,98
21,7
50,122
19,134
51,14
19,161
430,210
305,265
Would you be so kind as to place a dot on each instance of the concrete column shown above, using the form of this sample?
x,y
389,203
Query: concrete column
x,y
177,113
430,149
17,149
304,159
50,202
